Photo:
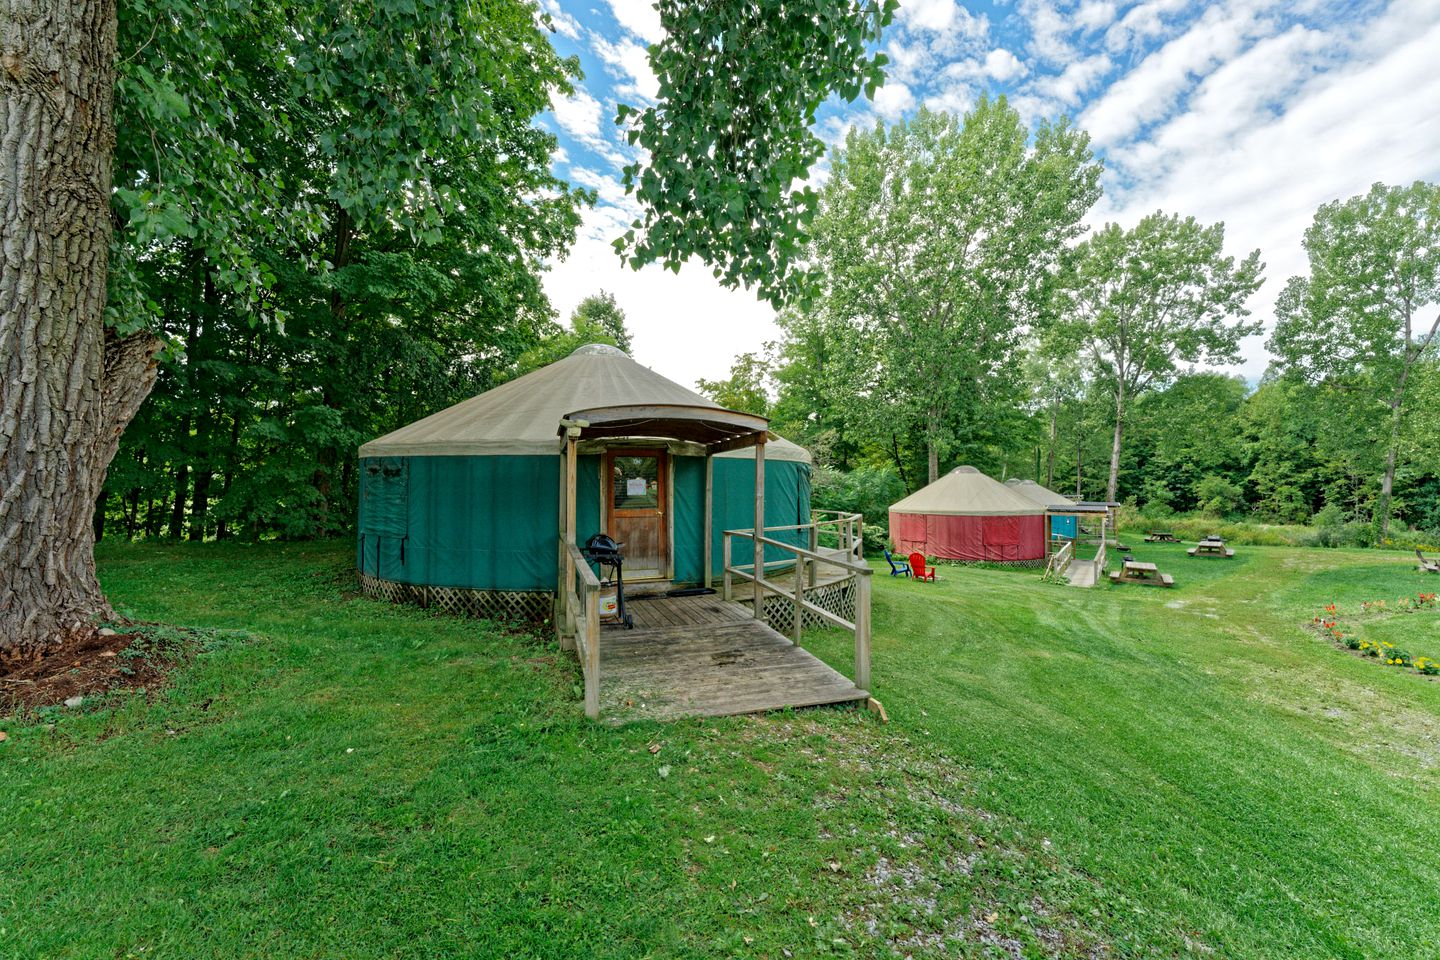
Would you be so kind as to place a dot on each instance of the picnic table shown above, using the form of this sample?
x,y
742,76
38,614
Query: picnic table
x,y
1147,574
1211,547
1160,536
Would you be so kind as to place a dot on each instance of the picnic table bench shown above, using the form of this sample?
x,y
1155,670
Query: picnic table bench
x,y
1160,536
1211,547
1146,574
1427,566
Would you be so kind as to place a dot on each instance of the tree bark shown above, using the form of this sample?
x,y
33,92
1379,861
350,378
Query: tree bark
x,y
1113,486
182,489
68,389
899,461
1387,481
1054,436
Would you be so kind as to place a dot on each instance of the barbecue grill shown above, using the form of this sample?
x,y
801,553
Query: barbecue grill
x,y
602,550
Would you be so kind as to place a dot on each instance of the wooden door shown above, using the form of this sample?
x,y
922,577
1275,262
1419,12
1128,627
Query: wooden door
x,y
637,510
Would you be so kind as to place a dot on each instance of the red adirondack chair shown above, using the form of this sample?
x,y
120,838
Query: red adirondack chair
x,y
917,566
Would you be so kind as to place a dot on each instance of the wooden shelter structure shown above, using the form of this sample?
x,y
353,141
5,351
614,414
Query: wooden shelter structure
x,y
461,511
690,646
1060,524
967,516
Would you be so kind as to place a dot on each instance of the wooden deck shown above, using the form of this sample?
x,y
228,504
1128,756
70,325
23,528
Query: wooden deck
x,y
704,656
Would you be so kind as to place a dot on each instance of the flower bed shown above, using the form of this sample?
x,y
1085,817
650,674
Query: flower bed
x,y
1328,624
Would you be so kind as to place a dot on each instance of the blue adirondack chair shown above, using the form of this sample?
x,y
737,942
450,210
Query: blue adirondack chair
x,y
897,567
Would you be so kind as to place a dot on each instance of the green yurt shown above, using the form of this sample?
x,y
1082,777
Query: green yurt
x,y
462,509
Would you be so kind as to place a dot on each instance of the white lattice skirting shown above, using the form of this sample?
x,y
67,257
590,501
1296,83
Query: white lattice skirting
x,y
526,606
837,598
537,607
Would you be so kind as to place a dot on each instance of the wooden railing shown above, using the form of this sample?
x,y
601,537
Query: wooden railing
x,y
1060,561
842,529
755,573
582,623
1100,562
846,529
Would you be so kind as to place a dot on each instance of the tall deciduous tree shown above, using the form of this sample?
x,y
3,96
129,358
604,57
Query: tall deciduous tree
x,y
939,238
730,139
1370,308
254,137
744,389
1141,301
599,311
67,386
596,319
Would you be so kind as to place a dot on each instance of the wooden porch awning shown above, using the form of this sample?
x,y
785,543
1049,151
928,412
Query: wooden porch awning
x,y
714,428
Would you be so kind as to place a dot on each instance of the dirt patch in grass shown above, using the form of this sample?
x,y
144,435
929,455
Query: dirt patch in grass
x,y
87,663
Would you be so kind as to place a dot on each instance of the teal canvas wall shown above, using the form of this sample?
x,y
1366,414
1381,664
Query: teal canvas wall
x,y
490,523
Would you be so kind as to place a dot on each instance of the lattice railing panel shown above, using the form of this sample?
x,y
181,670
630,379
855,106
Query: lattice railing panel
x,y
525,606
837,598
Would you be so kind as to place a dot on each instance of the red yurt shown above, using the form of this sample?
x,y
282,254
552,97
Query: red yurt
x,y
965,515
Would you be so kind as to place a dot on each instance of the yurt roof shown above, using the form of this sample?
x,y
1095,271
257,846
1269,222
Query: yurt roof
x,y
1040,494
520,418
966,492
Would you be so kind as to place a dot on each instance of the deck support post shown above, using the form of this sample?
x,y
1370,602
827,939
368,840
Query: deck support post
x,y
758,557
729,589
709,518
814,548
862,631
562,591
592,654
799,624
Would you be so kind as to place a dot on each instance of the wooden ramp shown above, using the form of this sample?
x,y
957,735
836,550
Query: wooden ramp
x,y
1081,573
703,656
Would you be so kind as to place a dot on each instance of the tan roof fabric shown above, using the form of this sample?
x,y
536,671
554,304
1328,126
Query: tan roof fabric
x,y
966,492
521,417
1042,495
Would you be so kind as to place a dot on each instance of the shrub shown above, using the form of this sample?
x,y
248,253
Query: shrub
x,y
865,490
1219,496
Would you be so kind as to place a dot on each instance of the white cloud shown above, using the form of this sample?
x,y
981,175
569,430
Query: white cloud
x,y
578,115
1150,91
1002,65
1143,22
956,98
892,100
629,61
1094,14
935,15
1050,29
639,17
1077,79
1300,119
564,24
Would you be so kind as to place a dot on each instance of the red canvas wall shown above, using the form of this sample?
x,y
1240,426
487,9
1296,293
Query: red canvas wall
x,y
969,538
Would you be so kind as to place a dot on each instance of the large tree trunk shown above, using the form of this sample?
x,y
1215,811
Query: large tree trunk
x,y
1113,485
1054,437
1387,481
67,390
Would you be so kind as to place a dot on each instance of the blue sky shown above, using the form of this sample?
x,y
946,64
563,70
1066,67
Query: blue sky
x,y
1253,112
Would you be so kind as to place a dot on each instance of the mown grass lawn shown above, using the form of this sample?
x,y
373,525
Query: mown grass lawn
x,y
1122,771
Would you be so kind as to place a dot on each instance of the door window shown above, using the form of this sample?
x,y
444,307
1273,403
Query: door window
x,y
635,483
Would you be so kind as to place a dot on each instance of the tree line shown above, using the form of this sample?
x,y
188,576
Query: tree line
x,y
964,315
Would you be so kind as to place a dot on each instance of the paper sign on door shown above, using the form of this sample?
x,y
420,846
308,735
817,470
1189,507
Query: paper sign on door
x,y
635,487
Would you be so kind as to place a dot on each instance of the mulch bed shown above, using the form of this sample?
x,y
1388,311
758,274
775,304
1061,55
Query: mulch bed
x,y
84,664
